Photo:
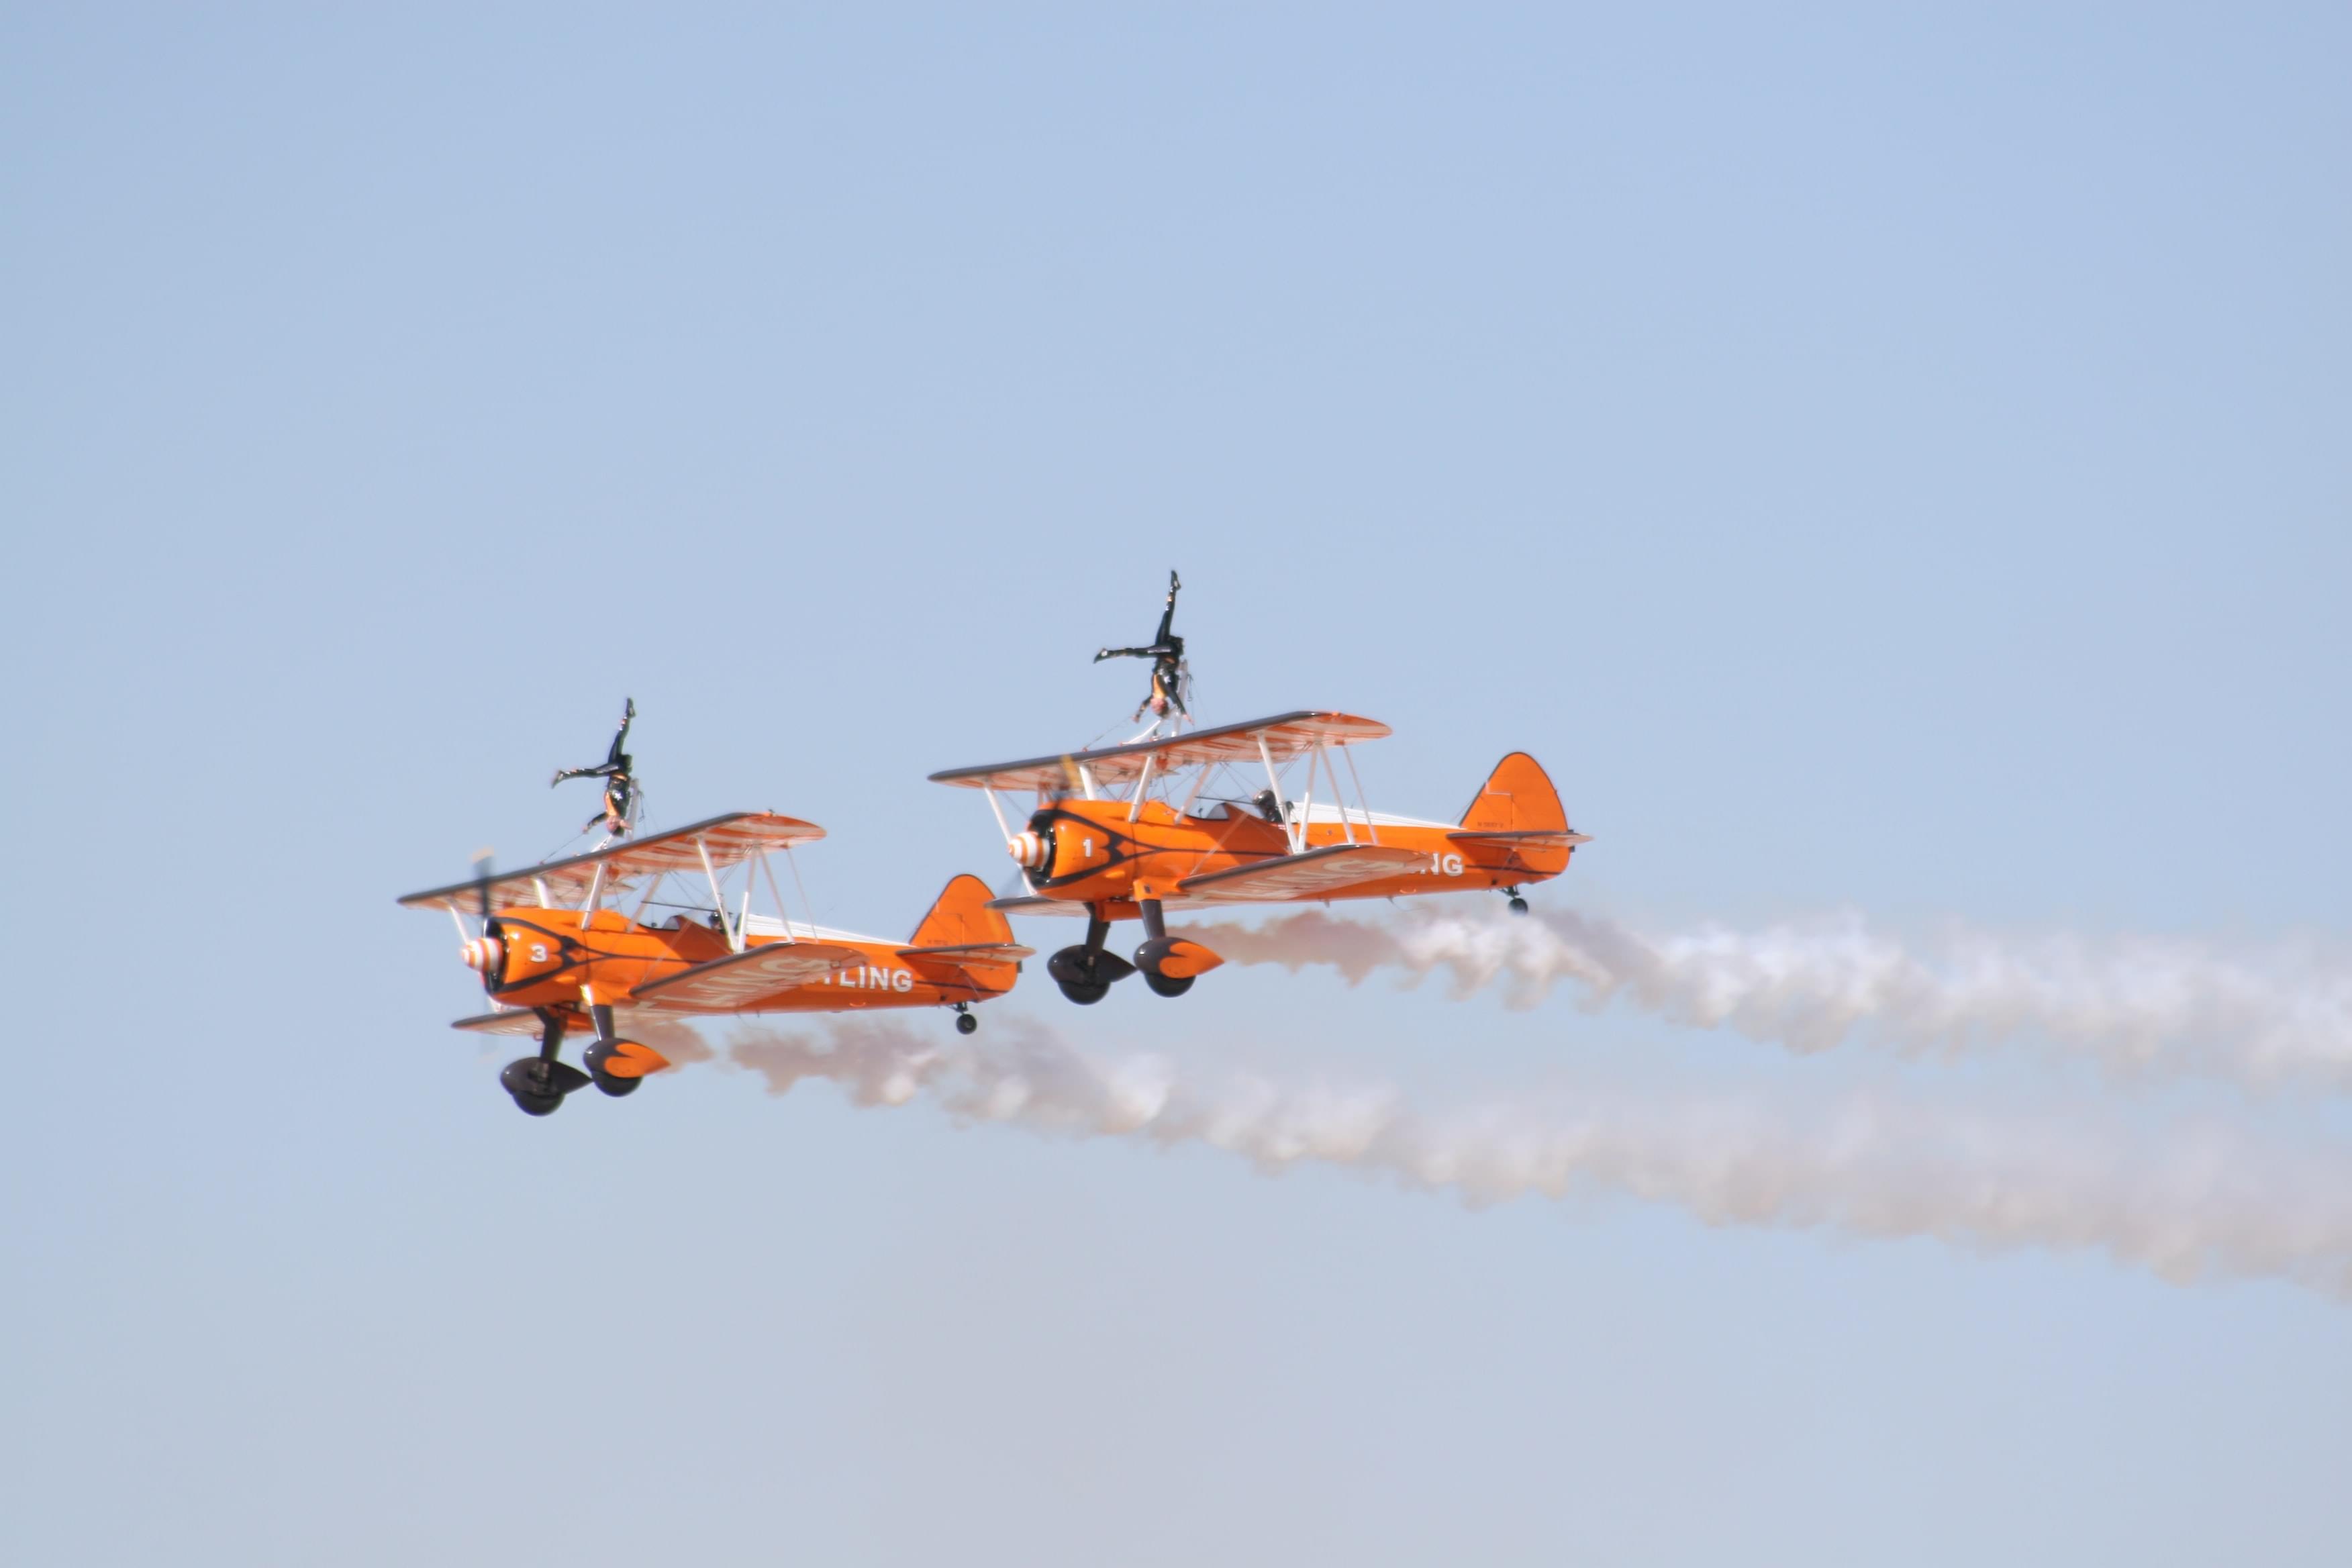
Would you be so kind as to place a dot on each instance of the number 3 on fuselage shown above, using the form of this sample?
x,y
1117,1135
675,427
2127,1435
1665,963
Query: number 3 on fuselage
x,y
1132,831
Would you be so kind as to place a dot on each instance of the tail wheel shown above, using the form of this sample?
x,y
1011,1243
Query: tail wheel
x,y
966,1024
1168,984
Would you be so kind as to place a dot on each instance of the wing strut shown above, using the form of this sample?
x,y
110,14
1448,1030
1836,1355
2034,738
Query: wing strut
x,y
1142,782
1273,783
718,898
768,870
1362,804
596,891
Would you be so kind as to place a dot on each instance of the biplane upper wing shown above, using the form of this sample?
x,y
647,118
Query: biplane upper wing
x,y
728,840
1283,736
970,954
731,984
1310,875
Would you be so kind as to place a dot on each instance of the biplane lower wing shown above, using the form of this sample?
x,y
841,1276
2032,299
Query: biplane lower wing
x,y
970,954
505,1021
1526,837
733,982
1310,875
523,1023
1031,904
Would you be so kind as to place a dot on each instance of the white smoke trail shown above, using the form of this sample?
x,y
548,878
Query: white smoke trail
x,y
2193,1203
2132,1004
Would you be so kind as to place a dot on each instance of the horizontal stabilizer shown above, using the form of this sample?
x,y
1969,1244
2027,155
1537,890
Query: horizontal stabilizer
x,y
1313,875
970,954
734,983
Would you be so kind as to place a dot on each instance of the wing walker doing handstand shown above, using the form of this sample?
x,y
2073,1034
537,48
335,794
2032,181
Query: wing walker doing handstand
x,y
618,770
1166,652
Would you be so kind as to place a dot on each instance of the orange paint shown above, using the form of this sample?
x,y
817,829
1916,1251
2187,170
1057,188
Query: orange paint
x,y
1187,958
633,1058
543,958
1101,858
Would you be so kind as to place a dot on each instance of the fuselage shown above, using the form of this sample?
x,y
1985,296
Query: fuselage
x,y
547,958
1109,854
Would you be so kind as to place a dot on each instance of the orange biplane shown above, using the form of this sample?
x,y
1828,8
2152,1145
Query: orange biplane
x,y
1113,838
557,954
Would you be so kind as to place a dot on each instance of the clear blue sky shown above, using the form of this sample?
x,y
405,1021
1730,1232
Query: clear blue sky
x,y
1887,458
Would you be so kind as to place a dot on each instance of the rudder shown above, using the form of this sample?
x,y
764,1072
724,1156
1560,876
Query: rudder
x,y
1517,797
961,917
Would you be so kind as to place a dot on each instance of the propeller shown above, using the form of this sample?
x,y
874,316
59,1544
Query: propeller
x,y
481,954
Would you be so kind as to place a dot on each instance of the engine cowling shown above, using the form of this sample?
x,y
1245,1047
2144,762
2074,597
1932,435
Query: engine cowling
x,y
486,956
1079,846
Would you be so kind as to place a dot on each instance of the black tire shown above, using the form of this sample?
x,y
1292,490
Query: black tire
x,y
1085,995
1088,967
536,1087
1168,984
1518,906
966,1024
596,1055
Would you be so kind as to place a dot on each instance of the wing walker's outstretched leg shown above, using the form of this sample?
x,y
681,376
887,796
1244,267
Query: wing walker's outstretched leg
x,y
618,769
1166,652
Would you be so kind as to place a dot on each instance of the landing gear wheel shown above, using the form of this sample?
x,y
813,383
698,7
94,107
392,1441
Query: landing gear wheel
x,y
1518,905
1085,974
1168,984
532,1086
966,1023
596,1055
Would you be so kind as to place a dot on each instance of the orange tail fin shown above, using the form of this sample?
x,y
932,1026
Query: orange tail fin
x,y
961,917
1517,797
